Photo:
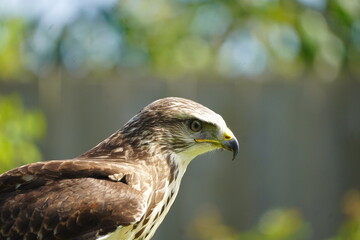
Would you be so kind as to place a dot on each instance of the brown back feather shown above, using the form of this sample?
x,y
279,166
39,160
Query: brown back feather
x,y
66,199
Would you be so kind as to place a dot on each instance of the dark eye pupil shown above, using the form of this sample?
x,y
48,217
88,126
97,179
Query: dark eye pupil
x,y
195,126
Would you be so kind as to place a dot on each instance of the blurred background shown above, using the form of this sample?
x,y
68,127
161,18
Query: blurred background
x,y
285,75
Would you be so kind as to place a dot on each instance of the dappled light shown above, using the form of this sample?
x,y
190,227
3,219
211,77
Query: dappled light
x,y
232,39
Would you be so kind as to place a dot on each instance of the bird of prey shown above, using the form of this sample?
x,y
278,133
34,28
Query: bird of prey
x,y
120,189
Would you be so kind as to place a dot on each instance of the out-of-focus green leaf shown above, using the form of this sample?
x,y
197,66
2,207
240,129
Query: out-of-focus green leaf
x,y
11,38
276,224
19,130
350,229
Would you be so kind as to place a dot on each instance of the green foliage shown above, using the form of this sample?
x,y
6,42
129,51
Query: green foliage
x,y
209,226
19,129
350,229
277,224
183,37
11,33
280,224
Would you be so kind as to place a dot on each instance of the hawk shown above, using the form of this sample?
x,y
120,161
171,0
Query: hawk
x,y
120,189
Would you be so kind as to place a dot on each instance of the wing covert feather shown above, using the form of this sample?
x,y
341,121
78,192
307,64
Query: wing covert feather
x,y
70,199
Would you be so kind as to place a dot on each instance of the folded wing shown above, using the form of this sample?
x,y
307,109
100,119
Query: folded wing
x,y
71,199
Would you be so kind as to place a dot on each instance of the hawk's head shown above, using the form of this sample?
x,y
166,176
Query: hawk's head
x,y
181,126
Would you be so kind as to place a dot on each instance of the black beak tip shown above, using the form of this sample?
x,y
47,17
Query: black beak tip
x,y
232,145
235,152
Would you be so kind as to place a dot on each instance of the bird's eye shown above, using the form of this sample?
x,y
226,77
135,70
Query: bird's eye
x,y
195,125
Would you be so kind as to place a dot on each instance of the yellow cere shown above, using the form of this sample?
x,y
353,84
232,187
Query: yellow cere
x,y
227,136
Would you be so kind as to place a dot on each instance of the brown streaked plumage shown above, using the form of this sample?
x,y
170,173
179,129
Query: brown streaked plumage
x,y
120,189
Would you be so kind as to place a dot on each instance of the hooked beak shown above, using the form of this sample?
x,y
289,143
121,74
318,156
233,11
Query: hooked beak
x,y
231,145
